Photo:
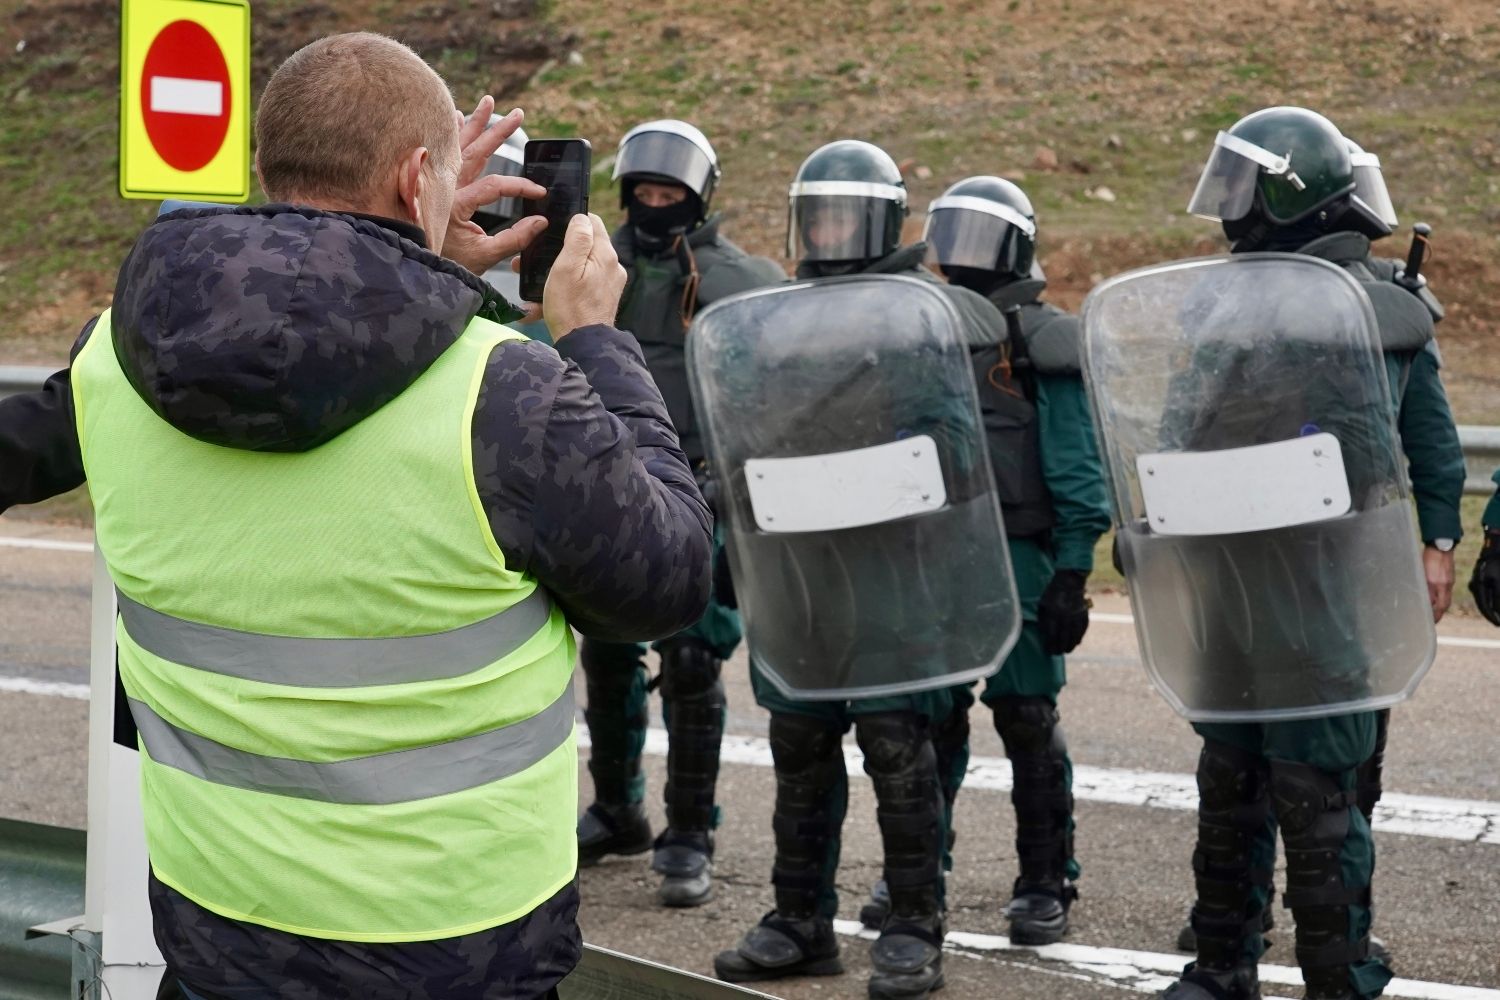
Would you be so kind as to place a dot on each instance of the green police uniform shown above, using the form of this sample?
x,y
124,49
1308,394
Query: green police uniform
x,y
664,289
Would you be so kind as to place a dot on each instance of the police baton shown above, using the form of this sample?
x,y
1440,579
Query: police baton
x,y
1411,276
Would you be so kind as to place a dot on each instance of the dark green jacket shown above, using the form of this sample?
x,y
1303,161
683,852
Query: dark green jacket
x,y
652,307
1492,509
1043,450
1429,437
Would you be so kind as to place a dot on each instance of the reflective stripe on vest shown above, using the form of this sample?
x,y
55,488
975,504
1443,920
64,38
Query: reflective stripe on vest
x,y
379,779
335,663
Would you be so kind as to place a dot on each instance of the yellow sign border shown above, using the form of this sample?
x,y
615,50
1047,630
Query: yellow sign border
x,y
232,197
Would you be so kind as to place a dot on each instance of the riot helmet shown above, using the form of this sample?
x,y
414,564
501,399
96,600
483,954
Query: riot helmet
x,y
1277,167
1371,201
668,152
505,161
847,203
982,224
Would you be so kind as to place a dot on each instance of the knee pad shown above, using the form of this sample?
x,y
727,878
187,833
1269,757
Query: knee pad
x,y
802,744
689,671
1027,725
892,742
1229,777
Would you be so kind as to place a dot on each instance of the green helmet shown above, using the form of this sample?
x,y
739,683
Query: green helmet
x,y
984,223
1280,165
847,204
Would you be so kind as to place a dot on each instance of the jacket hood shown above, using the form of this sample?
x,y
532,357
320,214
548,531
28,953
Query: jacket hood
x,y
277,328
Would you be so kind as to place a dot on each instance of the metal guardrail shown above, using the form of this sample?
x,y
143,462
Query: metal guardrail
x,y
1481,444
41,883
22,378
41,879
1481,457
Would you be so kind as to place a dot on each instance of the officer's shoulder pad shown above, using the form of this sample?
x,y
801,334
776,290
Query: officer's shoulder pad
x,y
724,274
1055,341
1403,321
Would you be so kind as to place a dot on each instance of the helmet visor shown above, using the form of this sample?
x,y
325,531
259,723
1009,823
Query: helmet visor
x,y
1369,187
1226,189
665,154
975,232
843,220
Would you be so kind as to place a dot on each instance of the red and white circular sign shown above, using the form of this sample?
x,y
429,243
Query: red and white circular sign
x,y
185,95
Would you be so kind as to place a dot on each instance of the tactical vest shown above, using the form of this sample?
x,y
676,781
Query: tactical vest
x,y
356,722
1007,402
662,293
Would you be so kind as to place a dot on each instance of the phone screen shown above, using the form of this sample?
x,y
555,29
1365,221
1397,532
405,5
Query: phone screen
x,y
562,167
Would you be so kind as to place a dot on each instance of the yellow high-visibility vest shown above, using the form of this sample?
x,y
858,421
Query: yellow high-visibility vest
x,y
356,722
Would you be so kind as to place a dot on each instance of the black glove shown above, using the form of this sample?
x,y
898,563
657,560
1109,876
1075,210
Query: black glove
x,y
1063,613
1485,583
723,581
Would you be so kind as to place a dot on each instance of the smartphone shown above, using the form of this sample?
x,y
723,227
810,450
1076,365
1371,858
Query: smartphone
x,y
562,167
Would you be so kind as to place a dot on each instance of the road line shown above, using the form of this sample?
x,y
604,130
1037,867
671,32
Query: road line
x,y
45,543
1149,971
1463,642
1472,820
53,689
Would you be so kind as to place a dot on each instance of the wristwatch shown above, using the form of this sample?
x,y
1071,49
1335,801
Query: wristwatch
x,y
1442,544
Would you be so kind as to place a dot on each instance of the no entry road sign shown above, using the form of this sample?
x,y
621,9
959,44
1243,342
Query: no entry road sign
x,y
184,99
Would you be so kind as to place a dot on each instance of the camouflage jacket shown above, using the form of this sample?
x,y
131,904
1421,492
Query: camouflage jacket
x,y
275,328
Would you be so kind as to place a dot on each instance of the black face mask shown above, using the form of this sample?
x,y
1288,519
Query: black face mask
x,y
662,224
977,279
1254,233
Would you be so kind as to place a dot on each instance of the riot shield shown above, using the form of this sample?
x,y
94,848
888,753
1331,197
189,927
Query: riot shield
x,y
864,530
1261,505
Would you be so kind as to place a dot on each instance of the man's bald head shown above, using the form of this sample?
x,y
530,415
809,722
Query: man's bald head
x,y
340,116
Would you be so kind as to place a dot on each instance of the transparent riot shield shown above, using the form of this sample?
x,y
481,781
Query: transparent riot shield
x,y
864,530
1261,505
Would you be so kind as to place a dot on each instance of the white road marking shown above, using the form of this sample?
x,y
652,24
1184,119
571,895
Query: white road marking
x,y
45,543
1111,618
53,689
1473,820
176,95
1149,971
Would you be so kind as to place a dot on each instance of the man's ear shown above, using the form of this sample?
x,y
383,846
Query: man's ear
x,y
260,178
411,186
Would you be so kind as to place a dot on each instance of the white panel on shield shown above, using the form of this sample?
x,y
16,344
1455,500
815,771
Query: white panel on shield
x,y
846,489
1236,490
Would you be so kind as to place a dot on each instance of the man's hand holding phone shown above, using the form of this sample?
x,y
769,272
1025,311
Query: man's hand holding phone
x,y
466,243
584,286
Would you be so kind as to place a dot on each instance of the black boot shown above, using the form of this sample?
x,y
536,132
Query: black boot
x,y
606,829
1234,810
1038,910
694,705
797,939
779,947
1314,810
616,823
907,959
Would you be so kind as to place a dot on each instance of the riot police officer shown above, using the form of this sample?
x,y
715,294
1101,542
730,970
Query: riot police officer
x,y
1282,180
981,235
1372,214
848,204
677,261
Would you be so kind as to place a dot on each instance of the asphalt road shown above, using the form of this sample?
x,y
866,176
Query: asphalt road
x,y
1437,888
